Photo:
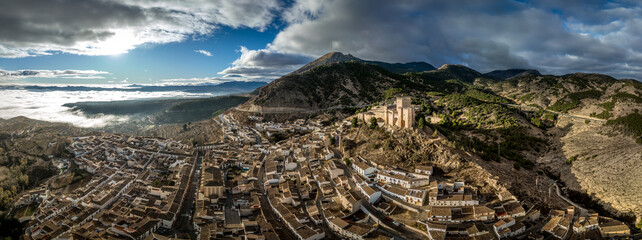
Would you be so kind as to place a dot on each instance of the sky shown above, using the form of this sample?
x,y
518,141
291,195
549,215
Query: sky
x,y
78,42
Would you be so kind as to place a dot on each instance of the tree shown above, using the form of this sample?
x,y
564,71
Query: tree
x,y
373,123
347,161
333,140
535,121
421,123
355,122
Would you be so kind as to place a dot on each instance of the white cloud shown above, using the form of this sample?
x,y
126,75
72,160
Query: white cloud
x,y
74,74
204,52
264,64
97,27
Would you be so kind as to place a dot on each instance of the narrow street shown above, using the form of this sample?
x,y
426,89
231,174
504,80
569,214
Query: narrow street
x,y
279,226
184,223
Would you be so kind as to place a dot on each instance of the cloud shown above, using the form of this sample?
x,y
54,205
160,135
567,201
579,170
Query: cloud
x,y
103,27
204,52
74,74
264,64
553,36
209,80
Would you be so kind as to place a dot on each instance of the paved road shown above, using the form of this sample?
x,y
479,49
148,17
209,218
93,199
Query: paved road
x,y
184,223
559,194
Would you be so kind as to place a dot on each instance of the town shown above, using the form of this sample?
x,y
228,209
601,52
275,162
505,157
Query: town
x,y
302,187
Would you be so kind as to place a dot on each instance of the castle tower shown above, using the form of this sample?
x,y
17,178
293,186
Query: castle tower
x,y
405,113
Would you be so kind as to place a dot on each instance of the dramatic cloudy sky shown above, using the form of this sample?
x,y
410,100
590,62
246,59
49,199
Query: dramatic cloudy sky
x,y
192,41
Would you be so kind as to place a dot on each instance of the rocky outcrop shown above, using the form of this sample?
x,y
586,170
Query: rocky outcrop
x,y
606,165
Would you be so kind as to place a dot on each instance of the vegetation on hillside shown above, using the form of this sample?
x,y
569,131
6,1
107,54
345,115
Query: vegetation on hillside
x,y
489,127
631,123
572,100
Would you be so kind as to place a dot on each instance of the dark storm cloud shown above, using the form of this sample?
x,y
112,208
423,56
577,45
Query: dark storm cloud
x,y
62,22
553,36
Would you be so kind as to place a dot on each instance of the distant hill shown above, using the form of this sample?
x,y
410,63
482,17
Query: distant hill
x,y
511,73
453,71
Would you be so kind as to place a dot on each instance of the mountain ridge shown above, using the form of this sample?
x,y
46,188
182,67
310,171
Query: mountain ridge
x,y
511,73
336,57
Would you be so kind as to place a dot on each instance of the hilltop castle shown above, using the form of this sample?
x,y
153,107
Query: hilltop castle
x,y
401,115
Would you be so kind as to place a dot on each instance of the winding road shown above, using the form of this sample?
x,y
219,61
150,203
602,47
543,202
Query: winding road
x,y
555,112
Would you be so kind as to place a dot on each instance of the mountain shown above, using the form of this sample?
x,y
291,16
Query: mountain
x,y
453,71
337,57
334,84
400,68
511,73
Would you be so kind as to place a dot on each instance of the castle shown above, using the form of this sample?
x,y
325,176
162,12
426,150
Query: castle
x,y
401,115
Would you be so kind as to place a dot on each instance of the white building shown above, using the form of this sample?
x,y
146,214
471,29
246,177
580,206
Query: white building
x,y
363,169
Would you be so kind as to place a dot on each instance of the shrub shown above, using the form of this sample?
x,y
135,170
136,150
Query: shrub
x,y
373,123
389,93
517,165
535,121
347,161
571,159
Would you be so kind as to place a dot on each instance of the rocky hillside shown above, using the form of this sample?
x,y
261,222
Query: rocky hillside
x,y
344,80
579,129
335,84
593,158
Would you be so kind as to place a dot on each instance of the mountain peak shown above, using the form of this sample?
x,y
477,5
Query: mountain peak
x,y
332,57
338,57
